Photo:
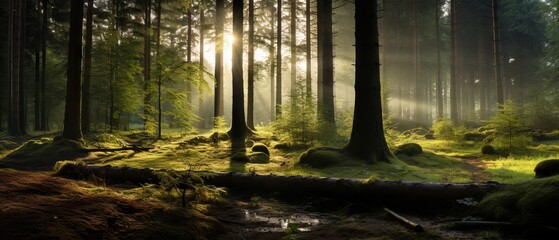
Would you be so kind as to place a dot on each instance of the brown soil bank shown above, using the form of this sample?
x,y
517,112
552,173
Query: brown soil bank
x,y
38,206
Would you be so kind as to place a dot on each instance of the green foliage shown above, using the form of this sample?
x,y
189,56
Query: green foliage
x,y
445,129
508,127
297,124
220,124
531,203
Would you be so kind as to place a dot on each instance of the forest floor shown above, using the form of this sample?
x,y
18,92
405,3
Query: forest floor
x,y
34,204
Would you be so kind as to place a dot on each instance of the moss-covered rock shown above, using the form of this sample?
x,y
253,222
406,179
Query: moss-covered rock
x,y
43,154
249,143
530,204
259,147
429,136
7,145
198,140
488,149
547,168
321,157
258,157
410,149
474,136
240,157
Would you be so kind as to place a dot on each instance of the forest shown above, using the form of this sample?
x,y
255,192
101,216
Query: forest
x,y
279,119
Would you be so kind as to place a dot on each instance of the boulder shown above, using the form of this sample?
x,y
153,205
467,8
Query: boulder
x,y
488,149
258,147
410,149
547,168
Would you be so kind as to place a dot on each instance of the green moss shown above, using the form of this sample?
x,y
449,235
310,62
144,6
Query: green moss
x,y
488,149
322,157
258,157
7,145
261,148
547,168
43,155
532,203
410,149
240,157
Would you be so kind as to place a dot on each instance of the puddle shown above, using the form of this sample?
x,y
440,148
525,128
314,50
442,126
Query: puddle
x,y
302,222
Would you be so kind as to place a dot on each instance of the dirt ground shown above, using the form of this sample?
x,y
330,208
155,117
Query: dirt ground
x,y
36,205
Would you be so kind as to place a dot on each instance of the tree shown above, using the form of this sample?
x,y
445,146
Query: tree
x,y
218,73
239,129
497,53
308,50
367,140
293,45
325,67
453,90
72,122
278,60
439,84
15,38
157,61
250,73
147,67
201,110
87,69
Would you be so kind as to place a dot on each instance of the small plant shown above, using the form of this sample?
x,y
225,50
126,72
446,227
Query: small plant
x,y
445,129
508,126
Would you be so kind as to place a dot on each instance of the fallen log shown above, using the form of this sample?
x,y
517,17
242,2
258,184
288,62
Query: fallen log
x,y
408,223
133,148
385,192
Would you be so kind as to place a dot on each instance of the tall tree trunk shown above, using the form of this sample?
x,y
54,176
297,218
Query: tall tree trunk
x,y
439,85
497,54
147,65
158,62
293,48
399,92
201,107
44,112
37,86
272,66
453,90
250,92
219,22
418,90
367,140
15,30
326,65
239,129
22,100
87,68
278,60
384,78
189,43
308,85
72,122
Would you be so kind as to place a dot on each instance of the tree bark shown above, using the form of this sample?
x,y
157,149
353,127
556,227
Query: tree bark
x,y
250,74
37,86
293,48
15,38
44,112
308,51
497,54
439,85
418,90
201,107
367,140
189,43
272,66
72,122
147,65
278,60
218,92
389,193
87,68
399,93
239,129
326,66
158,62
453,90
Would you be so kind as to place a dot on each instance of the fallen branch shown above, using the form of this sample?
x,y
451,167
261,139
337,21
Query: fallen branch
x,y
466,225
408,223
356,190
133,148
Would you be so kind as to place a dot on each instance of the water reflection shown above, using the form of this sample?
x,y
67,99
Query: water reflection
x,y
302,222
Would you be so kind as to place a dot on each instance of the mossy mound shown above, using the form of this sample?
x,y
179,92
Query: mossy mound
x,y
547,168
240,157
321,157
249,143
258,157
474,136
410,149
195,141
530,204
43,154
7,145
259,147
488,149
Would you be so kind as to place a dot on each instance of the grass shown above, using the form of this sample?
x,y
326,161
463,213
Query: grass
x,y
442,161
